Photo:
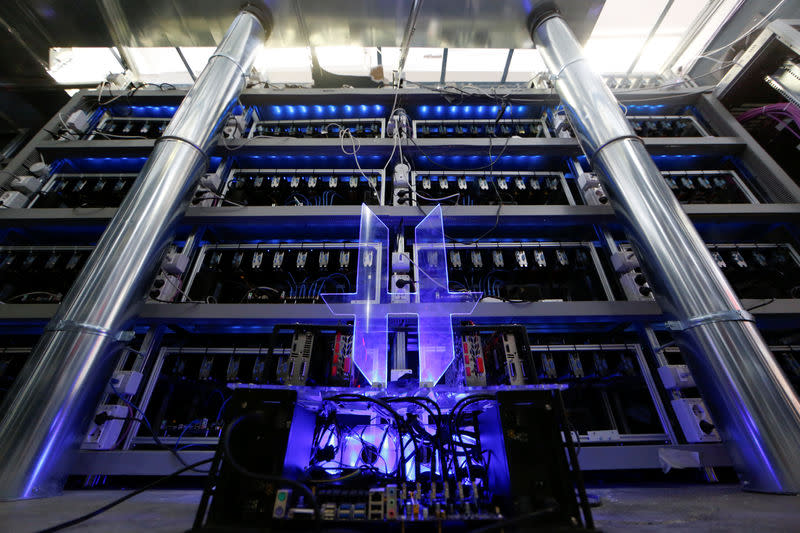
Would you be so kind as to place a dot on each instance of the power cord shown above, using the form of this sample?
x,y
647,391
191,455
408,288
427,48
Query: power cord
x,y
226,446
152,432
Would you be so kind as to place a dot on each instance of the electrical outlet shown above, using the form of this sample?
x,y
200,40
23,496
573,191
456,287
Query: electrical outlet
x,y
105,435
694,420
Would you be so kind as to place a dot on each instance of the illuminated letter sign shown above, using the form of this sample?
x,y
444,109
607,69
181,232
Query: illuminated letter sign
x,y
372,303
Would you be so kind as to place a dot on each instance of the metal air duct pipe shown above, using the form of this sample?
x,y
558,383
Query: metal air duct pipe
x,y
750,400
47,412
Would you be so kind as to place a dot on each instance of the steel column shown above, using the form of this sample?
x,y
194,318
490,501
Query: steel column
x,y
47,412
751,401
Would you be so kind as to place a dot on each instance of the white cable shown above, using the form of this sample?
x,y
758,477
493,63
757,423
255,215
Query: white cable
x,y
168,277
426,274
356,147
437,199
755,27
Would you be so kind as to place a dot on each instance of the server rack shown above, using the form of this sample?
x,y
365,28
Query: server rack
x,y
612,321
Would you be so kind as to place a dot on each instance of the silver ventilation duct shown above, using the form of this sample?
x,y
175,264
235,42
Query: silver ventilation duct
x,y
47,413
753,405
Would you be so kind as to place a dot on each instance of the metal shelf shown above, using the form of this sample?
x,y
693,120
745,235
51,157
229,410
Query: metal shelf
x,y
485,312
554,147
454,215
732,147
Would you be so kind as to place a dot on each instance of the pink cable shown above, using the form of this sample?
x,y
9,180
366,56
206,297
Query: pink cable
x,y
777,112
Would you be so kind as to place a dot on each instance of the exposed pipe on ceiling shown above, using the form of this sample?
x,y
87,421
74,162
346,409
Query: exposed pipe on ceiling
x,y
47,412
752,403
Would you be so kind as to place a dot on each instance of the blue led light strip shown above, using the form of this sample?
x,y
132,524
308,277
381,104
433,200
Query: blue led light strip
x,y
470,111
289,112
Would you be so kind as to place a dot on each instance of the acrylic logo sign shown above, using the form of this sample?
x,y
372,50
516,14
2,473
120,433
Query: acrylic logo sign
x,y
432,303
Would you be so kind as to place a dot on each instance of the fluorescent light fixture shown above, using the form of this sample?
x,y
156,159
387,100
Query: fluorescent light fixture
x,y
82,65
620,33
197,57
284,65
347,60
422,64
669,34
525,64
159,65
475,64
705,36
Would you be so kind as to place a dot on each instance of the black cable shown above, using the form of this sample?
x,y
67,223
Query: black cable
x,y
455,415
438,421
128,496
761,304
497,192
492,162
226,446
152,432
398,422
518,520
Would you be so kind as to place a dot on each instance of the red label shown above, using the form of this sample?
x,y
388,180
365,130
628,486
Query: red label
x,y
480,365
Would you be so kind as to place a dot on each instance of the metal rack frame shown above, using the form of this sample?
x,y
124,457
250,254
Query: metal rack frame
x,y
779,209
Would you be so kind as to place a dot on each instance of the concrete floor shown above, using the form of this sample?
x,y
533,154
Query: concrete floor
x,y
641,508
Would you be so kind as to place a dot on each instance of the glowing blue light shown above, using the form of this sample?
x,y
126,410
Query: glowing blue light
x,y
147,111
435,322
303,110
348,110
113,164
647,108
476,162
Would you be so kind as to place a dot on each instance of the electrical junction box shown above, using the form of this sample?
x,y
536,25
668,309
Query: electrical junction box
x,y
175,263
26,184
126,382
78,122
13,199
676,377
401,263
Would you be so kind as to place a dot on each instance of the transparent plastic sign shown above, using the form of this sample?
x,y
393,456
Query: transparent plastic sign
x,y
371,304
